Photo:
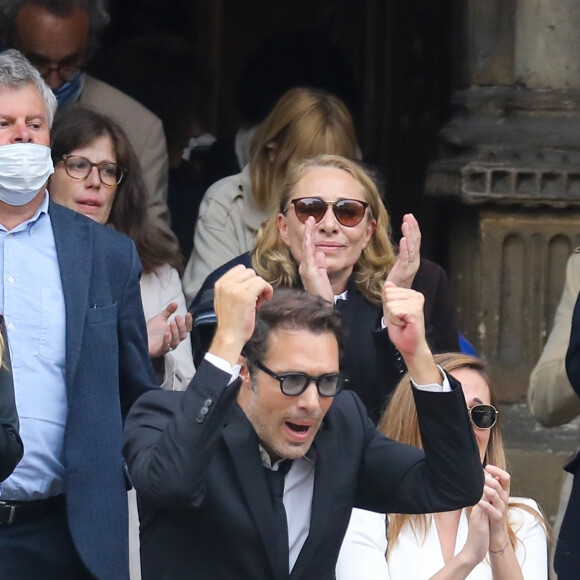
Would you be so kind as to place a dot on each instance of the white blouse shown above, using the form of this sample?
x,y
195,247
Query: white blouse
x,y
362,555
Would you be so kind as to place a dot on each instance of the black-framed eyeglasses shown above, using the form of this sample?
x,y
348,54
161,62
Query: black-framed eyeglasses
x,y
483,416
66,72
80,168
294,384
348,212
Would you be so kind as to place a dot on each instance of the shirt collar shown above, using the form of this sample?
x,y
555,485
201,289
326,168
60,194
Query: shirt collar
x,y
42,209
267,462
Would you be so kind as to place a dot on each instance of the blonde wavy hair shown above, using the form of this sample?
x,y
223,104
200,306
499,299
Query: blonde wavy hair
x,y
399,422
272,259
304,123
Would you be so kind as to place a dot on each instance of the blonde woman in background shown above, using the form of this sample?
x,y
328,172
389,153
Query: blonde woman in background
x,y
304,123
501,537
330,235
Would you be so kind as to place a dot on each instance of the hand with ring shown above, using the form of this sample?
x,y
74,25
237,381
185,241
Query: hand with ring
x,y
403,272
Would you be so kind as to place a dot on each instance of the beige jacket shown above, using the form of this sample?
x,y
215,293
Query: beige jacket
x,y
226,227
550,396
158,289
145,133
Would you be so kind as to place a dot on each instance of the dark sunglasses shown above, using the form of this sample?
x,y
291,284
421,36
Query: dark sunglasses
x,y
348,212
483,416
294,384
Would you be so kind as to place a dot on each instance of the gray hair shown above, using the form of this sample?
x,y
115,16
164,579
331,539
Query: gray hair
x,y
96,10
16,73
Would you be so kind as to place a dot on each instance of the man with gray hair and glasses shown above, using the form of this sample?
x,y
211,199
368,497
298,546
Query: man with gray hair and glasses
x,y
59,37
69,293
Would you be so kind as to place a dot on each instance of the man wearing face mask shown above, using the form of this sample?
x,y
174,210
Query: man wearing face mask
x,y
69,293
59,37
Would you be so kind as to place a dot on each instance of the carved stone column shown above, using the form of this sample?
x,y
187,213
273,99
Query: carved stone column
x,y
508,174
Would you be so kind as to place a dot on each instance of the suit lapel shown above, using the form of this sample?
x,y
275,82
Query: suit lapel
x,y
73,241
242,442
323,496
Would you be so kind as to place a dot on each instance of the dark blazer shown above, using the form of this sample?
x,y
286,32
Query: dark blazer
x,y
205,512
567,558
10,443
369,359
107,369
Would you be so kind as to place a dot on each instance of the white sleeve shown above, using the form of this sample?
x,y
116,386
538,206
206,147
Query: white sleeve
x,y
363,550
158,289
532,543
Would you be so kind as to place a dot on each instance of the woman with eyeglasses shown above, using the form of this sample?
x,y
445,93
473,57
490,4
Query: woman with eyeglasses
x,y
96,173
501,537
330,234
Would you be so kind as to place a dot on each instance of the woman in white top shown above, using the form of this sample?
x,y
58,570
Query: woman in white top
x,y
498,538
97,174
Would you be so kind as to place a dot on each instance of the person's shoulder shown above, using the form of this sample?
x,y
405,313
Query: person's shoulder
x,y
430,269
430,277
103,96
520,516
204,298
225,190
347,406
574,261
160,402
527,501
105,235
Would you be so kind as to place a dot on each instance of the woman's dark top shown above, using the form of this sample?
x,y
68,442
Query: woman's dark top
x,y
373,365
11,447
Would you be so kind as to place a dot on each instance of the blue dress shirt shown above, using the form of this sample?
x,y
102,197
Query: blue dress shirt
x,y
32,301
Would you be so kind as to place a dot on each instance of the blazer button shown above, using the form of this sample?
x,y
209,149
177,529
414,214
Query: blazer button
x,y
208,402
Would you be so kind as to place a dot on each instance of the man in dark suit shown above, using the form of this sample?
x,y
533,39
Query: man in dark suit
x,y
202,460
567,557
71,301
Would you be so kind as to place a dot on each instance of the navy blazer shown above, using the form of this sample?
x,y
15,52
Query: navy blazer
x,y
204,501
107,368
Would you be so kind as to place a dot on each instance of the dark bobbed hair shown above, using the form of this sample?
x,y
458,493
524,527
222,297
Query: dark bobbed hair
x,y
292,309
75,127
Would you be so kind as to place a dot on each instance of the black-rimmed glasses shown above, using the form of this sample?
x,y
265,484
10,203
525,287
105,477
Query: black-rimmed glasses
x,y
483,416
66,72
294,384
80,168
348,212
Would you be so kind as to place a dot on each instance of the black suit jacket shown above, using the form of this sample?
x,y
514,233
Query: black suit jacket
x,y
204,500
10,443
369,359
567,558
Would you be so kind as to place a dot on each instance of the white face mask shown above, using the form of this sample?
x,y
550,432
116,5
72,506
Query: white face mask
x,y
24,169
